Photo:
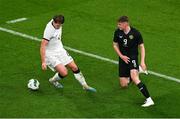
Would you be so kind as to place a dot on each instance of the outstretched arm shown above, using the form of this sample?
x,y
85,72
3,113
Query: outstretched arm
x,y
42,53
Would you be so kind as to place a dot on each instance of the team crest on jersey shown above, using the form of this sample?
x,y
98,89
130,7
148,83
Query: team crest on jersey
x,y
120,36
131,37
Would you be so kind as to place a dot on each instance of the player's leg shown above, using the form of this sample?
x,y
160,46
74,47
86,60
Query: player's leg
x,y
142,87
124,81
61,73
124,74
79,76
77,73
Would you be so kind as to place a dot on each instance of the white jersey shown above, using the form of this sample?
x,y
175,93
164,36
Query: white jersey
x,y
55,53
53,35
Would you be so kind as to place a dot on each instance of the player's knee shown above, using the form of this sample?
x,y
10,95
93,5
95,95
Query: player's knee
x,y
75,69
64,73
134,74
124,83
73,66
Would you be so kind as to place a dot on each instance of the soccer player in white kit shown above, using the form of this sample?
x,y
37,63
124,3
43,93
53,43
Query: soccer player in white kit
x,y
56,57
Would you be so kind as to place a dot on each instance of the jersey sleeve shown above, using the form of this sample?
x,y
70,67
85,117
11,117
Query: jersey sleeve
x,y
140,39
115,39
47,34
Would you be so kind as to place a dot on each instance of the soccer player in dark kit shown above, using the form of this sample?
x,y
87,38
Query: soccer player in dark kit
x,y
126,42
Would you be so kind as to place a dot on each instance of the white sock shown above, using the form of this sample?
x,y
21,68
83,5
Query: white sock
x,y
79,76
56,77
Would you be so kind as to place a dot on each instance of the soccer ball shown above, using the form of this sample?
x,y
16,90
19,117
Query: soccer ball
x,y
33,84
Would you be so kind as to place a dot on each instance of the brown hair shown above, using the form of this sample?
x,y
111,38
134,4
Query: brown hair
x,y
123,19
58,19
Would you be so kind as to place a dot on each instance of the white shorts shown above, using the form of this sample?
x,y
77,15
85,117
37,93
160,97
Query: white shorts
x,y
52,60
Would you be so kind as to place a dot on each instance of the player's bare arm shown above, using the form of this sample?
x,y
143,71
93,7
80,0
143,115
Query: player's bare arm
x,y
123,57
142,51
42,52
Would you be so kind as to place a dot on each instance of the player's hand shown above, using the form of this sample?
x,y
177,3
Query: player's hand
x,y
143,66
125,59
44,66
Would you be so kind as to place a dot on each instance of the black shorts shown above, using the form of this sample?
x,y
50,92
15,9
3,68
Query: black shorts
x,y
124,69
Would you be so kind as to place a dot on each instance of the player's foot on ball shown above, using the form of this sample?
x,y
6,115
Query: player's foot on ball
x,y
55,83
88,88
148,102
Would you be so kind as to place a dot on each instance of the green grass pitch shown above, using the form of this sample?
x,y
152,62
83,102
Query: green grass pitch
x,y
89,26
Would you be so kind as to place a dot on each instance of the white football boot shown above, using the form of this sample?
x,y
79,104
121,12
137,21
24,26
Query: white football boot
x,y
148,102
88,88
55,83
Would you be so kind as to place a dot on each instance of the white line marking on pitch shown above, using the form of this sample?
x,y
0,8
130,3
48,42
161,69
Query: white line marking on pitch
x,y
16,20
87,54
